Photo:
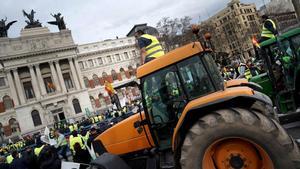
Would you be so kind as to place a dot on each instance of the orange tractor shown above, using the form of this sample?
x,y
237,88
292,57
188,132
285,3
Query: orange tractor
x,y
192,119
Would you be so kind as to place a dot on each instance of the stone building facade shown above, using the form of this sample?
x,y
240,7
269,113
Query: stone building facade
x,y
114,61
45,77
232,29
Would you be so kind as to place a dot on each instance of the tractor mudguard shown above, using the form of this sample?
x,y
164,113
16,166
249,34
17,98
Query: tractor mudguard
x,y
109,161
239,97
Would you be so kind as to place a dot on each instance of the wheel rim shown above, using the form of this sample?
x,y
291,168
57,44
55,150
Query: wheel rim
x,y
236,153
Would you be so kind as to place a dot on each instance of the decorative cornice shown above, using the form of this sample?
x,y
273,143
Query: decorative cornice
x,y
47,51
105,50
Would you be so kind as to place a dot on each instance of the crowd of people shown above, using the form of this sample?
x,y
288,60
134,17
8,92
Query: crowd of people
x,y
238,70
66,141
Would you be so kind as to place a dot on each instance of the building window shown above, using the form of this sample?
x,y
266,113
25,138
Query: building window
x,y
91,63
134,53
86,82
50,87
76,106
123,74
118,57
68,80
28,90
2,81
36,118
100,61
101,100
109,60
104,75
93,102
126,55
14,125
114,75
96,80
81,65
131,71
8,102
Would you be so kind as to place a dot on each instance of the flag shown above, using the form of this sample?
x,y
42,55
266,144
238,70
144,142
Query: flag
x,y
46,137
69,165
109,88
50,85
255,42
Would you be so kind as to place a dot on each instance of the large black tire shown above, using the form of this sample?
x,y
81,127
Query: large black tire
x,y
237,122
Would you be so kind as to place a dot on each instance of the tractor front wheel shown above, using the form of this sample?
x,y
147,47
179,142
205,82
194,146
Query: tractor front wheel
x,y
238,139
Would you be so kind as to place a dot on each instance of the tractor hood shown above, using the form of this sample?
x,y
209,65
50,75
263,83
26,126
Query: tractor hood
x,y
125,137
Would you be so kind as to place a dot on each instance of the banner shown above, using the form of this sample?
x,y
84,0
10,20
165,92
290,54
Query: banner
x,y
69,165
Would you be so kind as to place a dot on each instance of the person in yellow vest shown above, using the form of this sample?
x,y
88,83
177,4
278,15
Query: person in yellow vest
x,y
241,71
37,150
9,158
76,126
149,45
71,127
62,144
75,138
96,119
269,29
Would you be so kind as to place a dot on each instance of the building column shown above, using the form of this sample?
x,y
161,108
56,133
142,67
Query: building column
x,y
77,67
34,83
19,86
74,74
12,88
54,75
40,80
60,77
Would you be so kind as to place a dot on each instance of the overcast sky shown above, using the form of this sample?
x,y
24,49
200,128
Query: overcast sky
x,y
96,20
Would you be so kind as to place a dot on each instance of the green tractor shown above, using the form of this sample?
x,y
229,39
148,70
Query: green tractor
x,y
281,57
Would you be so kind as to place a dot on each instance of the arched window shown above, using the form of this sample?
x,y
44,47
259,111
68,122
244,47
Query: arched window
x,y
76,106
114,75
96,80
36,118
138,65
14,125
131,71
86,82
123,75
101,99
104,75
92,101
8,102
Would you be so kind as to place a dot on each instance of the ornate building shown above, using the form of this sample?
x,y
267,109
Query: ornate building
x,y
114,61
45,77
232,29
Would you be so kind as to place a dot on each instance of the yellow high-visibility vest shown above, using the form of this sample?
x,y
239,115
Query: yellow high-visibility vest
x,y
9,159
71,128
38,150
154,50
266,32
74,140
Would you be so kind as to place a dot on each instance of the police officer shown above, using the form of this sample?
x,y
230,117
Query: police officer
x,y
269,29
149,45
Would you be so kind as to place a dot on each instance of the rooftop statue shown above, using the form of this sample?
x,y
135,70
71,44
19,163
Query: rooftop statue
x,y
59,21
4,27
31,23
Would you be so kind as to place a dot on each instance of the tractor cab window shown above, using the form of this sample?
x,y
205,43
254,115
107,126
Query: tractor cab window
x,y
196,80
296,42
164,101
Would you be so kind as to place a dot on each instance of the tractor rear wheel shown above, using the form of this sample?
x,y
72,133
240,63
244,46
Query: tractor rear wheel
x,y
236,139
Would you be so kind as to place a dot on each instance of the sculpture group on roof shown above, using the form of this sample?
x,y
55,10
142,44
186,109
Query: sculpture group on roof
x,y
31,22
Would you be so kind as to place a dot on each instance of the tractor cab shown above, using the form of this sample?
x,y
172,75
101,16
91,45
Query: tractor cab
x,y
166,91
282,64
